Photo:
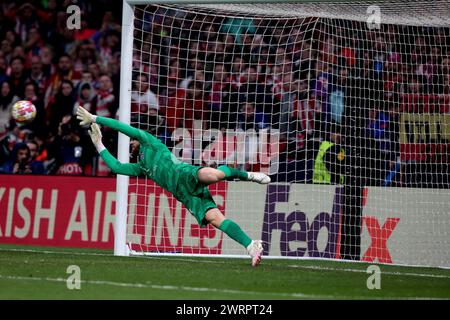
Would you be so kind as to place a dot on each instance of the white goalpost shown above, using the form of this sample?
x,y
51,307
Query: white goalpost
x,y
345,104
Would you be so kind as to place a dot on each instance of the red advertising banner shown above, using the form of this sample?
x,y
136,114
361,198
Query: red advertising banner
x,y
157,222
57,211
80,212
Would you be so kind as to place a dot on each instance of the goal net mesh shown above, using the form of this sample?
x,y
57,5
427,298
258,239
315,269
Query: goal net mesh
x,y
345,105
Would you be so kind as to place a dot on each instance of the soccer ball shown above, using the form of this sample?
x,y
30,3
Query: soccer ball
x,y
23,111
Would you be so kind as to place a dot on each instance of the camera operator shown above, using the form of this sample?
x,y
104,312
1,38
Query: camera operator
x,y
67,149
22,163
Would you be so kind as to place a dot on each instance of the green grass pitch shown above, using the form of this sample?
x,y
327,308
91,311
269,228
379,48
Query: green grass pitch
x,y
41,273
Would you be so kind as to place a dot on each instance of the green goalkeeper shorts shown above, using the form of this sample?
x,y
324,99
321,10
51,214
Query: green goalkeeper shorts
x,y
193,194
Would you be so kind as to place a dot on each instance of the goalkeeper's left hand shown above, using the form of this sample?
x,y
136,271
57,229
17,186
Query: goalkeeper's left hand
x,y
96,137
85,117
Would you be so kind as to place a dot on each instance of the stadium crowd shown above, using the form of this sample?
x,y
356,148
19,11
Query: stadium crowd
x,y
311,81
57,68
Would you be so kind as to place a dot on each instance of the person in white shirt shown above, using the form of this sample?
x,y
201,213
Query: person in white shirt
x,y
143,95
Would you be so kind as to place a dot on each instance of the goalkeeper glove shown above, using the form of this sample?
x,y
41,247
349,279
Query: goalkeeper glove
x,y
85,117
96,137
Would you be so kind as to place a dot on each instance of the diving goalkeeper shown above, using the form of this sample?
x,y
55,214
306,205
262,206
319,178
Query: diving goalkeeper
x,y
187,183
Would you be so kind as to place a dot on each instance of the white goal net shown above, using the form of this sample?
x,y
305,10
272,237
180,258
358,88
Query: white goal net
x,y
346,105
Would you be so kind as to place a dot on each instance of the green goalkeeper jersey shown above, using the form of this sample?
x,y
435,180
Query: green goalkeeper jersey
x,y
155,159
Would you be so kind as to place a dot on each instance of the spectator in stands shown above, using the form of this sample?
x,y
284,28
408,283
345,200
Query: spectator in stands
x,y
17,78
22,163
84,55
61,105
86,95
105,103
219,95
6,48
19,52
64,72
26,19
338,96
415,84
143,98
198,76
34,42
113,71
33,146
94,70
60,37
68,148
303,113
46,55
109,22
86,31
237,74
37,75
184,106
3,68
418,51
31,94
217,52
86,76
447,84
381,143
252,89
174,74
109,43
438,82
7,100
320,92
249,118
379,54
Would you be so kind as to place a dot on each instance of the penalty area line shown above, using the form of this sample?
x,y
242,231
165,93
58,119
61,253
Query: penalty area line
x,y
149,285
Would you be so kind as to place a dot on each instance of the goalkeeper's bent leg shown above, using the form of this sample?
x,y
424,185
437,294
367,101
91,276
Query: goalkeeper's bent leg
x,y
229,227
235,232
232,229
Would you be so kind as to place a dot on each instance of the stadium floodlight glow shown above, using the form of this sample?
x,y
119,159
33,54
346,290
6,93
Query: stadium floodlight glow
x,y
369,77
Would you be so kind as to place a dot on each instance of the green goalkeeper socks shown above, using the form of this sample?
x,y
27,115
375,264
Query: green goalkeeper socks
x,y
231,173
235,232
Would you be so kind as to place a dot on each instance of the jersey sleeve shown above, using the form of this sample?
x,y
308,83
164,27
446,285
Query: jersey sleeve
x,y
142,136
128,169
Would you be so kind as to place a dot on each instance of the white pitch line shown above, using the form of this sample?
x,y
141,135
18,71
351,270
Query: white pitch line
x,y
203,260
56,252
408,274
199,289
148,285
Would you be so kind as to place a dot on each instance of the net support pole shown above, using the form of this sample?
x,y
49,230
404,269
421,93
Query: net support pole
x,y
120,234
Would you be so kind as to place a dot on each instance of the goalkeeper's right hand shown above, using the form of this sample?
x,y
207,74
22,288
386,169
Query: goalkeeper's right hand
x,y
96,137
85,117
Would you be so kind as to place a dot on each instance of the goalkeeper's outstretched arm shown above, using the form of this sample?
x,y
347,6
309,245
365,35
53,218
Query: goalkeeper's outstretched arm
x,y
142,136
128,169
